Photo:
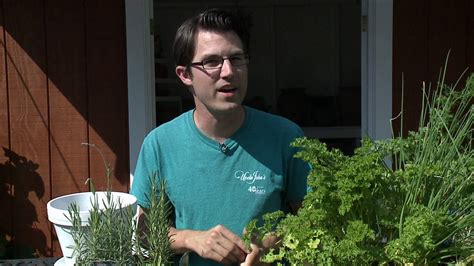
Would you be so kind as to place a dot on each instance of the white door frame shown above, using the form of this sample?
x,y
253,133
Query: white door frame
x,y
140,73
376,71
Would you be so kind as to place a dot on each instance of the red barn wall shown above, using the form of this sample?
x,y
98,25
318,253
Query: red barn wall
x,y
62,83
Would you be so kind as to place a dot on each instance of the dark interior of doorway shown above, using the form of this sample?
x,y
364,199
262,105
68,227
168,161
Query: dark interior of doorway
x,y
305,63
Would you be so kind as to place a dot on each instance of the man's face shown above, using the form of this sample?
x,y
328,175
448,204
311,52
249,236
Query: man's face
x,y
221,90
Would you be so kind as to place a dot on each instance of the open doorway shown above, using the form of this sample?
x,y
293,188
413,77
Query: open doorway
x,y
305,63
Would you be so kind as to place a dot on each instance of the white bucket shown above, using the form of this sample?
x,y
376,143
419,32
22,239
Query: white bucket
x,y
58,213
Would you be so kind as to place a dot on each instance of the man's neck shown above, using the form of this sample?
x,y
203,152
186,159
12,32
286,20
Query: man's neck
x,y
219,127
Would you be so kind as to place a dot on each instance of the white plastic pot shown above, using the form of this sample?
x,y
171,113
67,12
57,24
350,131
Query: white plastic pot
x,y
58,212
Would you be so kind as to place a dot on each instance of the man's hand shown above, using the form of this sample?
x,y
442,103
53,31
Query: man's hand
x,y
253,259
259,249
218,244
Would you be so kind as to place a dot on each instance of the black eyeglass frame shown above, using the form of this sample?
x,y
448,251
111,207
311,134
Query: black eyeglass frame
x,y
222,59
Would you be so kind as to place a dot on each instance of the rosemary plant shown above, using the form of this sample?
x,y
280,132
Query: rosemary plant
x,y
155,239
110,236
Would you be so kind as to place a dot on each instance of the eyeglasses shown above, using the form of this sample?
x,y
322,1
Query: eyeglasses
x,y
217,62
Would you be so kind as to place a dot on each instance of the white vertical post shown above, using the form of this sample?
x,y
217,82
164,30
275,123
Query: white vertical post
x,y
140,73
376,52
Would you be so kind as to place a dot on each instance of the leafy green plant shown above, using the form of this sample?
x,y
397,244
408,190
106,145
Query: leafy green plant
x,y
418,209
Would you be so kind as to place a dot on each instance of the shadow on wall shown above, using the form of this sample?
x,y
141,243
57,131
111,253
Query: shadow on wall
x,y
18,177
79,51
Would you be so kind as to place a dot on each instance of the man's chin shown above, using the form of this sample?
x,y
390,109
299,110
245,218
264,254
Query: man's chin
x,y
228,108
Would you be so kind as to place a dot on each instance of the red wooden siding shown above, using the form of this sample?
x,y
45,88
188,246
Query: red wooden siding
x,y
28,111
62,83
107,86
470,35
423,33
66,69
5,180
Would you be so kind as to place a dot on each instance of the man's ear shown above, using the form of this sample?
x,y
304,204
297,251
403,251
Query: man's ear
x,y
184,75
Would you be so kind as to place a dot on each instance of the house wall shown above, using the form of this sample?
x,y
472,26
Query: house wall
x,y
424,31
63,82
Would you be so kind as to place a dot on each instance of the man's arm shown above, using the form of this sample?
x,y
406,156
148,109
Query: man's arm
x,y
218,243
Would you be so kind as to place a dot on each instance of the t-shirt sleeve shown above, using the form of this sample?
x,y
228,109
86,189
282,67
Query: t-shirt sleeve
x,y
297,173
147,167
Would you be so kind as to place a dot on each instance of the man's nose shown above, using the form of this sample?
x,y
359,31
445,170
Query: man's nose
x,y
227,69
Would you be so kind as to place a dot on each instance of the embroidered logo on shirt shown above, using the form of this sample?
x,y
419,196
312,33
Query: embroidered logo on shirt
x,y
251,178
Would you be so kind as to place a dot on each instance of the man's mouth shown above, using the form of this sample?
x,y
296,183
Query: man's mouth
x,y
227,89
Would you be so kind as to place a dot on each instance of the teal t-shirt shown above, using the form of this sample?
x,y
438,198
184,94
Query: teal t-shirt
x,y
252,173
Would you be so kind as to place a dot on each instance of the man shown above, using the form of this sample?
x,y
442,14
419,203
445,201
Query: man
x,y
224,163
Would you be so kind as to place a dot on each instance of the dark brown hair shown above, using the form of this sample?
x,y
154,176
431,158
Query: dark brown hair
x,y
213,20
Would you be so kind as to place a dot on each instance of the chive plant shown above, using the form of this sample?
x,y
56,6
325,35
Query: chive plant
x,y
437,172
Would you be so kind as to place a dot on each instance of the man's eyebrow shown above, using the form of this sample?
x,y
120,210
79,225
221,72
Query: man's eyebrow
x,y
237,53
206,56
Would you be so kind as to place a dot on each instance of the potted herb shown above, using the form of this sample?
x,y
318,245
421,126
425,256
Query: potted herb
x,y
416,209
153,244
100,227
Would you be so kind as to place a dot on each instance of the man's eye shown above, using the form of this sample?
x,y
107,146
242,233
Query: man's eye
x,y
237,59
211,62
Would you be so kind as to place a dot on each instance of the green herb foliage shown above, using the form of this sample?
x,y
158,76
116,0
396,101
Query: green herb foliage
x,y
156,240
108,238
111,234
418,208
